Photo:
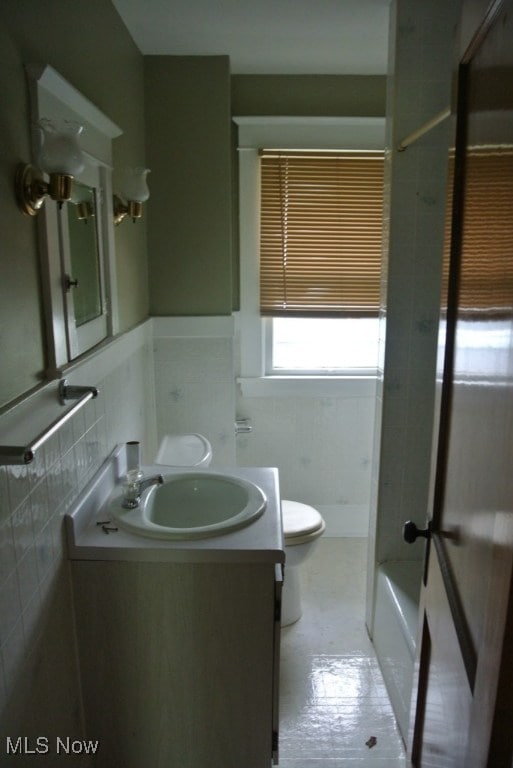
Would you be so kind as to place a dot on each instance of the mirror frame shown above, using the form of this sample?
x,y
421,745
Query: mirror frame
x,y
53,97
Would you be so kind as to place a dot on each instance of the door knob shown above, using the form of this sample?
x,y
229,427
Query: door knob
x,y
411,532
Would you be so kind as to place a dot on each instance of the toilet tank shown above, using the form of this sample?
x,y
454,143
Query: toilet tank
x,y
192,450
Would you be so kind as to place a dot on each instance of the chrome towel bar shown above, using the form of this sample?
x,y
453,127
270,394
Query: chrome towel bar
x,y
24,454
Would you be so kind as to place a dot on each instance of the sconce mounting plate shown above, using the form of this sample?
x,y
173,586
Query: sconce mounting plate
x,y
31,189
119,208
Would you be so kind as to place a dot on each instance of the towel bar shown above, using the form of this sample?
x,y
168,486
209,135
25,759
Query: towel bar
x,y
24,454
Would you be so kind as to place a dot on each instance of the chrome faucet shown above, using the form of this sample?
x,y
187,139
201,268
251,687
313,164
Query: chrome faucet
x,y
136,487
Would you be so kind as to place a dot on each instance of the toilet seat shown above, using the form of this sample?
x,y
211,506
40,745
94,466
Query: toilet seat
x,y
301,522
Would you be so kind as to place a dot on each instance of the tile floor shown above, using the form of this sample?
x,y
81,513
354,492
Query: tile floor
x,y
333,702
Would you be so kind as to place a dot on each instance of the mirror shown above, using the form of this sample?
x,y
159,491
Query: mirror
x,y
84,286
84,281
76,240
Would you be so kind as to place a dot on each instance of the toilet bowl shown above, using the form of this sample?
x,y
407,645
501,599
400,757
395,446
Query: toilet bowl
x,y
302,526
192,450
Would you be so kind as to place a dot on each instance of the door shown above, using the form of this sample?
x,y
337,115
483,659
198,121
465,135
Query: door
x,y
462,704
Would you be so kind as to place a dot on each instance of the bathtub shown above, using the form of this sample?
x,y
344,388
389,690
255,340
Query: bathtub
x,y
395,632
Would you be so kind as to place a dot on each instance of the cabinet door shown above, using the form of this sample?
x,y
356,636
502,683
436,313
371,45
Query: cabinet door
x,y
179,662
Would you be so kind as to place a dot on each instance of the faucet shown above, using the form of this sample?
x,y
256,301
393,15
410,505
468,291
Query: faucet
x,y
136,487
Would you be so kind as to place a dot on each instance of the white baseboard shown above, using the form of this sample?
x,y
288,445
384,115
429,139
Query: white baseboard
x,y
351,520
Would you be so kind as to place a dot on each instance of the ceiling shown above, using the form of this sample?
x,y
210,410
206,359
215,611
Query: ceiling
x,y
286,37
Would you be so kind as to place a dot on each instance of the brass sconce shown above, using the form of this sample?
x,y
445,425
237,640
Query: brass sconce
x,y
134,189
60,157
85,211
82,198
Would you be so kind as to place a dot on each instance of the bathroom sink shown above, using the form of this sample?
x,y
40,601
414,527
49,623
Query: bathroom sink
x,y
193,505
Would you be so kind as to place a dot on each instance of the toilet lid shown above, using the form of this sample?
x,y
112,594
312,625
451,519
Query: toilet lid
x,y
299,519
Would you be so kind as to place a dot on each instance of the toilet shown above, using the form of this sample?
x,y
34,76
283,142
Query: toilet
x,y
302,526
193,450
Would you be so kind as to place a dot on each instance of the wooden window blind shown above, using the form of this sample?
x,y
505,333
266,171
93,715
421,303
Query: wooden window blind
x,y
321,233
486,277
486,282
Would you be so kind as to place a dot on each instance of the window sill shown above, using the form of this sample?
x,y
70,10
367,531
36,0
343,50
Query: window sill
x,y
308,386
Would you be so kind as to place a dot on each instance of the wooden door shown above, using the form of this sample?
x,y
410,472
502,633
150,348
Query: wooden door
x,y
462,703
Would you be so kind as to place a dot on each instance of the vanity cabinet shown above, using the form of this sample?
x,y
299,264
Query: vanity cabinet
x,y
179,662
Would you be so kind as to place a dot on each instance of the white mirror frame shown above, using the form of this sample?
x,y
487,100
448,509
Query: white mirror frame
x,y
53,97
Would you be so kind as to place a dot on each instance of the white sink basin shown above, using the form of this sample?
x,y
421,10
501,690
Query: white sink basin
x,y
193,505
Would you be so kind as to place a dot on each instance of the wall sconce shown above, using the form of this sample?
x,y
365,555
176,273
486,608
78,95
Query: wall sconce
x,y
85,211
60,157
134,189
83,202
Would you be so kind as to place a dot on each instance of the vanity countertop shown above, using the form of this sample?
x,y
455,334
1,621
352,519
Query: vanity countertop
x,y
261,541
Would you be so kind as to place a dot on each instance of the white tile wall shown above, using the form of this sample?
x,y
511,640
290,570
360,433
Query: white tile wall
x,y
195,391
322,447
419,86
37,649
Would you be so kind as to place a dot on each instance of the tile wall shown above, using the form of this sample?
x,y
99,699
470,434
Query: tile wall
x,y
194,382
419,87
323,449
321,445
37,646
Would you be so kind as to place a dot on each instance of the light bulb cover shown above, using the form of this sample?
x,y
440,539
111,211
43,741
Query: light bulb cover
x,y
133,185
60,151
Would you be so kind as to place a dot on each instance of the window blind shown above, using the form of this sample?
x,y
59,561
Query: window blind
x,y
321,233
486,275
486,283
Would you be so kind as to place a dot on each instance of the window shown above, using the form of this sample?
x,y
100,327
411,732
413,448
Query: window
x,y
320,260
321,345
265,364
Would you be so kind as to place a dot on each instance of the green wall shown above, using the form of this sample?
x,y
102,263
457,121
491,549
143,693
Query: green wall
x,y
188,148
191,148
88,45
307,95
176,113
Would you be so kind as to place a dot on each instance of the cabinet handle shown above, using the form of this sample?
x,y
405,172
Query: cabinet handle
x,y
69,283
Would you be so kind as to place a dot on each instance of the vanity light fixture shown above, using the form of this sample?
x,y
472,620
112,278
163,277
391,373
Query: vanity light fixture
x,y
82,202
60,157
134,189
85,211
